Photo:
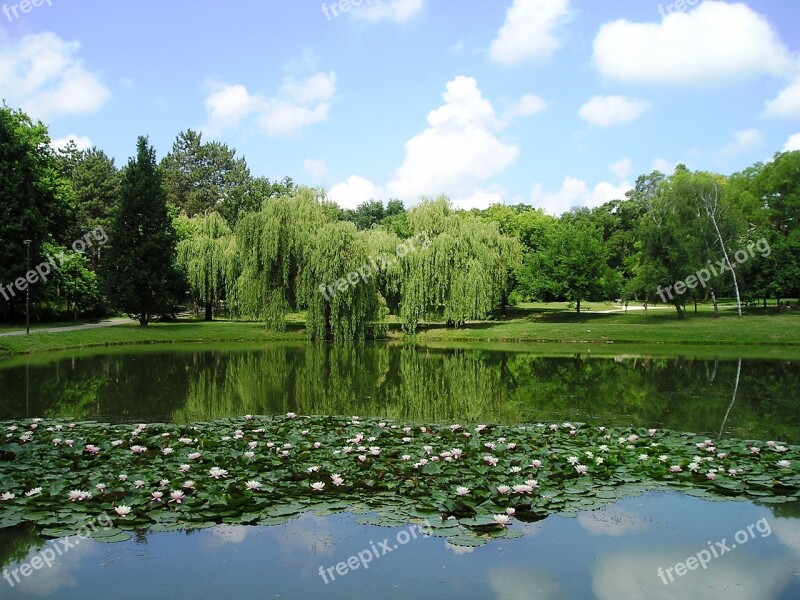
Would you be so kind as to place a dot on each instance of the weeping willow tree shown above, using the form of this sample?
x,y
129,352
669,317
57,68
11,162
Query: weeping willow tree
x,y
206,256
463,275
340,286
272,245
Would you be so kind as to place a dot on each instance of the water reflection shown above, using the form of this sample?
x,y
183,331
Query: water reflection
x,y
746,398
613,553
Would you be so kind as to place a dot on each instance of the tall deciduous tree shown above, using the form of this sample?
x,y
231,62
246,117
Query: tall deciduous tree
x,y
140,274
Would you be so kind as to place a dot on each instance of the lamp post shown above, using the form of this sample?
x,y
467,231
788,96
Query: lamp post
x,y
28,290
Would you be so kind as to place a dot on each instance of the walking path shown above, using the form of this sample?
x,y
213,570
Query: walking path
x,y
104,323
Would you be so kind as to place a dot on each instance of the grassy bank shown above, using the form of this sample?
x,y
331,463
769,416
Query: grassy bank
x,y
761,333
184,332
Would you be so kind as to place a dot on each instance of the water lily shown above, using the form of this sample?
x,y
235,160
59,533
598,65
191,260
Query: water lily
x,y
780,449
176,496
290,415
456,452
651,432
502,520
573,460
249,454
164,482
711,475
138,484
185,440
185,468
503,489
138,449
188,484
167,451
462,491
406,457
91,449
522,488
100,487
491,460
536,464
33,492
755,450
7,496
675,469
784,464
581,469
217,473
122,477
194,456
362,457
157,496
510,511
253,485
76,495
317,444
318,486
337,479
122,510
248,417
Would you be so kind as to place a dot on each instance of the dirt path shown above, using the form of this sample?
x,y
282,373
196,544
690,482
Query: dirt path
x,y
104,323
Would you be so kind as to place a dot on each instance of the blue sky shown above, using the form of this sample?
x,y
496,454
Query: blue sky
x,y
555,103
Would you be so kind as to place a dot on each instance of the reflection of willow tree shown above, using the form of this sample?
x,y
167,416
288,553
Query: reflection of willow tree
x,y
16,542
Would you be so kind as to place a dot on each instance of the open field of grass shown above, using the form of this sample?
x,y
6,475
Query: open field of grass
x,y
763,333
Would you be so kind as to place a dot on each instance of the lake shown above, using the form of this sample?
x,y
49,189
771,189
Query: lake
x,y
615,552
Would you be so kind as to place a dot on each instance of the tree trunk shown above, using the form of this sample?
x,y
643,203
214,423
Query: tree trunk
x,y
209,312
712,215
680,311
578,306
765,302
143,319
716,306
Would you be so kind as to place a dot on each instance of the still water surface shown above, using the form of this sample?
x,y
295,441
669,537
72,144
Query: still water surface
x,y
614,553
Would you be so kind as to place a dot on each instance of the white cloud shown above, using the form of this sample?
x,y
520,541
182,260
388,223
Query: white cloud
x,y
612,521
605,111
575,193
478,199
716,41
459,149
529,31
786,104
793,143
528,105
664,166
315,167
356,190
42,74
398,11
743,141
622,168
303,103
82,142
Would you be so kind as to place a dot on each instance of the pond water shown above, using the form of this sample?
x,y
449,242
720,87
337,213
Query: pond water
x,y
615,552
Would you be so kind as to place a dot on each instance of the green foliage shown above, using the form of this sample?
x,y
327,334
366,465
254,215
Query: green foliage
x,y
140,276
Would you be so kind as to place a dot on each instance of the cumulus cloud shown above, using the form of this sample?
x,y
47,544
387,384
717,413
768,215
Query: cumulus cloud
x,y
42,74
398,11
716,41
356,190
575,193
622,168
529,31
664,166
793,143
81,142
528,105
300,104
605,111
315,167
743,141
459,149
786,104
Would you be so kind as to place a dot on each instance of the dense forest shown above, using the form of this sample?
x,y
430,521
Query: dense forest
x,y
196,230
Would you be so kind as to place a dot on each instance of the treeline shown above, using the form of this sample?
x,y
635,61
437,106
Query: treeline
x,y
196,229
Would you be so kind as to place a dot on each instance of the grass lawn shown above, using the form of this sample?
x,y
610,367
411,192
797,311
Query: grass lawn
x,y
760,333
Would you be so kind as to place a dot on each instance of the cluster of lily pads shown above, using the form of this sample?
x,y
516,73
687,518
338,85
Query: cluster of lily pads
x,y
469,483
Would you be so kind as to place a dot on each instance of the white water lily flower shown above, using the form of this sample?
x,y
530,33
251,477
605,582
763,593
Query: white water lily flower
x,y
157,496
573,460
502,520
249,454
253,485
138,484
581,469
176,496
784,464
522,488
217,473
33,492
318,486
122,510
503,489
462,491
76,495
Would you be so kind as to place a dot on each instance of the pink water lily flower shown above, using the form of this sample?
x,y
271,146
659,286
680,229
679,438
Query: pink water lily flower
x,y
176,496
503,520
217,473
122,510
